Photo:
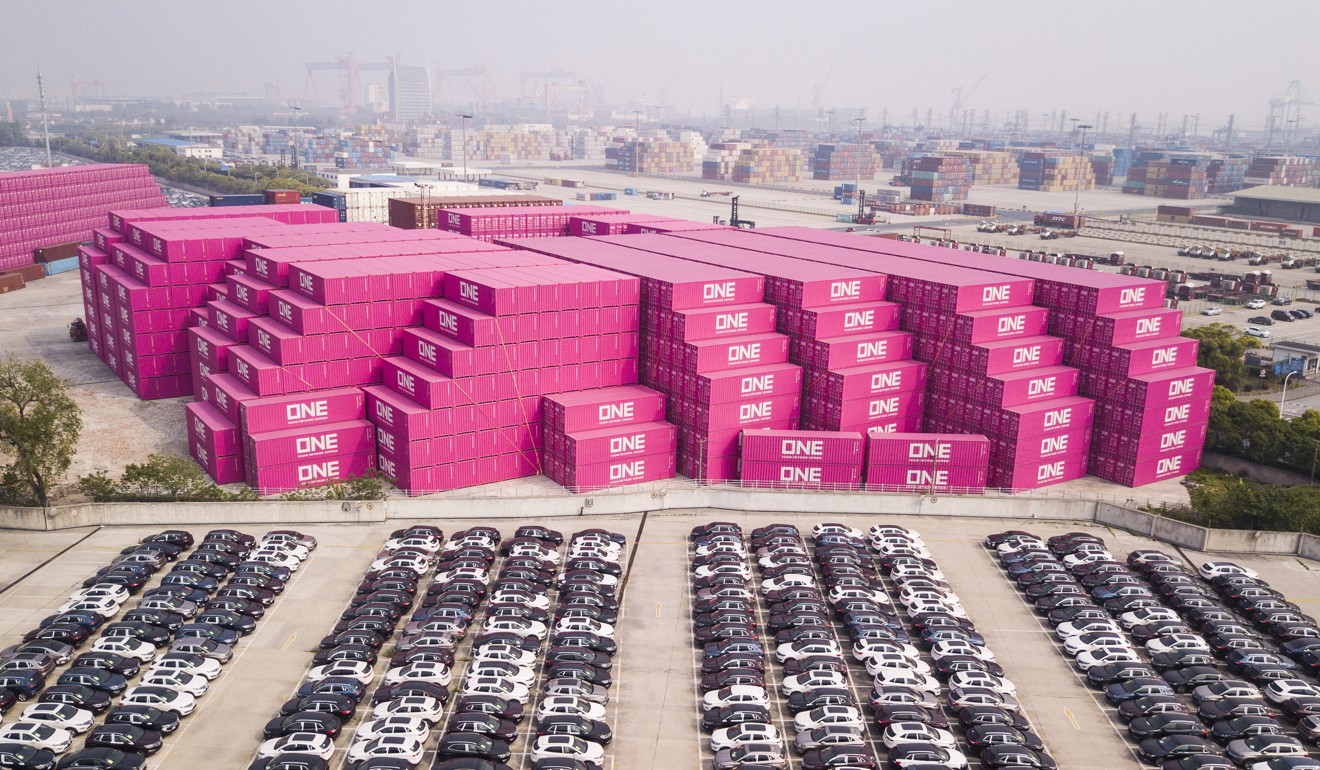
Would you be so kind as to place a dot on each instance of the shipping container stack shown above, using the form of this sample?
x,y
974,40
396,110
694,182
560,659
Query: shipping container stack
x,y
594,225
802,459
422,213
990,167
51,206
655,156
1226,175
708,343
1286,171
1150,400
1054,171
1102,167
768,165
835,162
608,437
927,462
488,224
993,369
941,178
857,367
1180,178
720,158
462,406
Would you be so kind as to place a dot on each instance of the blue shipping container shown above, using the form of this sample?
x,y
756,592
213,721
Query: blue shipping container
x,y
61,266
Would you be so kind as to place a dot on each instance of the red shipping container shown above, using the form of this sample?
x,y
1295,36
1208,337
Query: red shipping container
x,y
819,447
800,475
927,448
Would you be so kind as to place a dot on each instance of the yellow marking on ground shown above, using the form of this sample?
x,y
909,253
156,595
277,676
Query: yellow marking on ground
x,y
657,609
289,641
1068,713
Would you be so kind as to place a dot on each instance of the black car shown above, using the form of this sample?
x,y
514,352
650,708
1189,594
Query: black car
x,y
125,738
971,716
1016,757
78,695
146,717
583,671
303,722
1226,730
67,633
341,685
339,705
1150,705
1186,679
156,636
89,620
95,678
1132,689
982,737
1109,673
243,624
511,710
23,683
170,621
453,745
296,761
7,700
1261,320
584,639
596,732
400,689
366,638
1160,725
1227,708
840,756
486,724
1182,660
357,652
102,759
19,756
824,696
732,715
1156,751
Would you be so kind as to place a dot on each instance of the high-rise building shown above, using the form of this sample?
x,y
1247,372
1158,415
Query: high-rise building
x,y
410,93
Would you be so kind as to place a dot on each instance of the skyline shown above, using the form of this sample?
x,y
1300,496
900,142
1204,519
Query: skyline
x,y
1120,57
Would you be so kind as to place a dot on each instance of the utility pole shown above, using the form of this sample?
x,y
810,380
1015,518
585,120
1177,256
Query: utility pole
x,y
45,125
1081,153
857,164
637,140
463,116
1228,133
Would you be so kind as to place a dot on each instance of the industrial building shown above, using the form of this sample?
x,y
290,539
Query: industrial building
x,y
410,93
1295,204
183,148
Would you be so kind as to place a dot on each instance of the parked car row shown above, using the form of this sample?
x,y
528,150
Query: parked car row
x,y
962,671
302,736
1145,630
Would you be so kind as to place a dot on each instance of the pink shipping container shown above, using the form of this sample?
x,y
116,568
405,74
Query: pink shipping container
x,y
226,395
271,479
855,350
596,409
990,358
733,415
742,384
1136,473
840,320
1135,358
212,430
272,264
589,447
924,478
868,381
277,413
714,323
1144,445
978,326
1147,391
122,219
299,445
801,475
1013,450
1117,328
927,448
1041,474
1157,418
226,469
835,415
607,475
210,348
712,356
820,447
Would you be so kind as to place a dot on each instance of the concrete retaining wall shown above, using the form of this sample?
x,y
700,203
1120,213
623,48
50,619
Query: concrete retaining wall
x,y
1137,522
1252,541
1308,547
1179,533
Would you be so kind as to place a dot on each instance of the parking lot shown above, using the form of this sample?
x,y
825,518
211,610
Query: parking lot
x,y
653,701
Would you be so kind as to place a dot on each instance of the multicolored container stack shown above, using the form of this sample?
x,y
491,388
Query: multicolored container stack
x,y
941,178
597,439
802,459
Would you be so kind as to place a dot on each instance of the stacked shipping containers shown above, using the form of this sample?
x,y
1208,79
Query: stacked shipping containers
x,y
941,178
413,213
487,224
768,165
926,462
1288,171
799,459
1051,171
990,167
843,161
609,437
708,343
49,206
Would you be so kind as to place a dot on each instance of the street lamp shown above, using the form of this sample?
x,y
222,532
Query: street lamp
x,y
857,165
1081,150
464,117
1284,397
637,140
295,134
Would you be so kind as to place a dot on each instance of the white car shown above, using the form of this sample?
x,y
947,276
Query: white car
x,y
1212,569
559,746
169,604
1283,690
520,674
915,570
830,528
1076,645
810,680
422,671
535,601
416,706
379,727
41,735
879,660
1086,557
61,715
1212,310
962,680
462,573
925,606
840,594
903,548
828,715
276,559
420,542
103,606
863,649
1079,627
1256,331
892,529
1177,642
900,677
208,667
353,669
504,653
797,650
298,743
917,732
1146,615
1256,304
182,681
162,698
114,592
408,749
518,626
534,551
286,547
1091,658
122,645
978,696
789,580
490,685
734,548
744,733
568,704
730,568
415,564
569,625
738,694
960,647
595,552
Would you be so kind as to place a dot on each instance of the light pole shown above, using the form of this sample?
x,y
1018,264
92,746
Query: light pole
x,y
637,140
1081,153
295,134
857,165
464,116
1284,397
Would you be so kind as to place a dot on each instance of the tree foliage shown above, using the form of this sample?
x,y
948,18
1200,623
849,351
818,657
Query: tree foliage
x,y
365,487
1222,349
162,478
1228,502
13,135
39,428
1254,430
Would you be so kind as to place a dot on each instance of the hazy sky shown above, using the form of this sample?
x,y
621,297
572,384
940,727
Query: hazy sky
x,y
1211,57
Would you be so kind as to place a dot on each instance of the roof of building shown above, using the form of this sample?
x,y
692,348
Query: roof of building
x,y
168,142
1280,193
1295,345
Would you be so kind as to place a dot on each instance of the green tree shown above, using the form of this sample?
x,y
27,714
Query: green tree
x,y
162,478
1222,349
39,428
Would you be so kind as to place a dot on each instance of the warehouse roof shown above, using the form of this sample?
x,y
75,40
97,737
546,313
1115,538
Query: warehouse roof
x,y
1297,345
1280,193
168,142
